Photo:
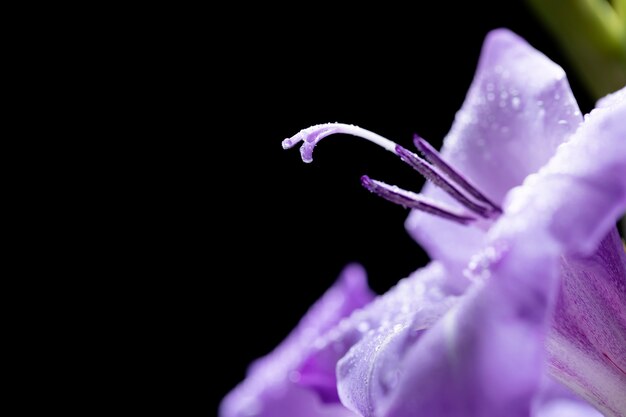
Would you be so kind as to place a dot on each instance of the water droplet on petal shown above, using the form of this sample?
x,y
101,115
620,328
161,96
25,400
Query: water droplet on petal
x,y
294,376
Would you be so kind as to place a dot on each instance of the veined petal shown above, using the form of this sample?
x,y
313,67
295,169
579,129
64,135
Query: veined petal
x,y
271,387
587,344
572,205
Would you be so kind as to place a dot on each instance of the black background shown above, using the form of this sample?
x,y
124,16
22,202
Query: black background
x,y
284,229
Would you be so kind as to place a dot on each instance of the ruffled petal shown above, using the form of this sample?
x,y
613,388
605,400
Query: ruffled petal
x,y
483,358
271,387
369,370
518,110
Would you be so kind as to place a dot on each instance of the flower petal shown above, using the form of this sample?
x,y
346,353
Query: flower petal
x,y
443,240
587,345
558,401
571,206
567,408
368,371
483,358
518,110
578,196
270,388
611,99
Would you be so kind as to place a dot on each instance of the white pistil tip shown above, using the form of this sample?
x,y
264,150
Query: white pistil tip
x,y
288,143
312,135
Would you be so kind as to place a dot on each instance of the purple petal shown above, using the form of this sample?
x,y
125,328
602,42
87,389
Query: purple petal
x,y
271,387
445,241
518,110
424,290
570,208
558,401
575,200
484,358
368,371
587,345
611,99
567,408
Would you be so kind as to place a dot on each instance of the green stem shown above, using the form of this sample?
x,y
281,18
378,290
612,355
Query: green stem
x,y
593,35
620,9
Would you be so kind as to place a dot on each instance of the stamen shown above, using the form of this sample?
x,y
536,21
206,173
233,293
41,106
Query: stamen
x,y
436,171
436,178
415,201
434,158
312,135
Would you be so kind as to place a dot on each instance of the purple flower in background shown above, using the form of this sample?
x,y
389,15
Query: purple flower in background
x,y
522,310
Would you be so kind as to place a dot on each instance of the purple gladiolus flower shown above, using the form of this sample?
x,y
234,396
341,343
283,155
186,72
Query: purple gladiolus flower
x,y
522,311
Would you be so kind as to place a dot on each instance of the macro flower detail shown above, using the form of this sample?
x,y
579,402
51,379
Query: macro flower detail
x,y
522,310
274,386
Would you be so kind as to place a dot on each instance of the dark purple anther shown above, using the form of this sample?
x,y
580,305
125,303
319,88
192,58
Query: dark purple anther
x,y
415,201
429,172
435,158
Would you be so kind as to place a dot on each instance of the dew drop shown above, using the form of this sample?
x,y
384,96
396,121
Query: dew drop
x,y
390,379
294,376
